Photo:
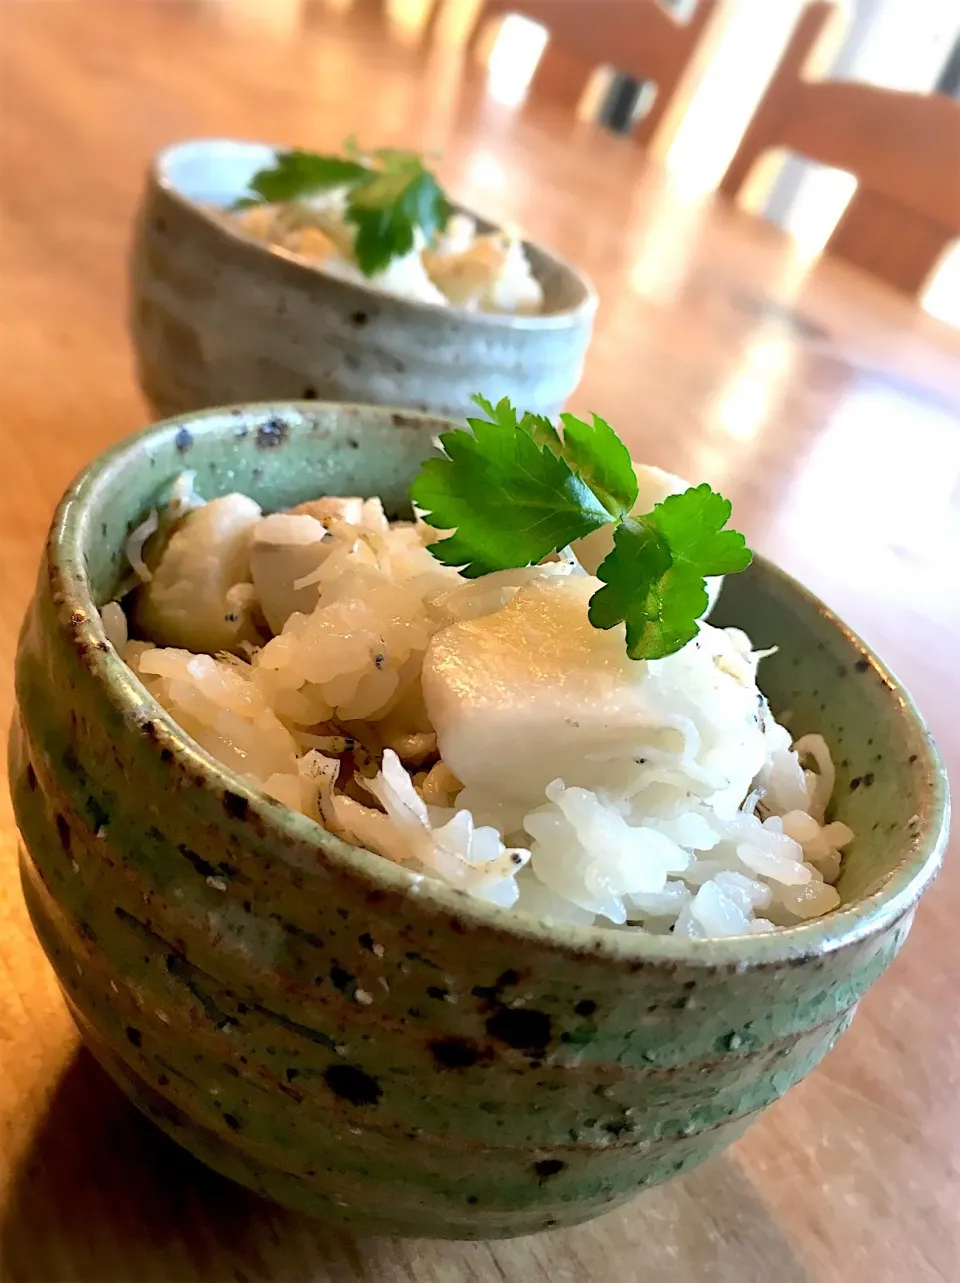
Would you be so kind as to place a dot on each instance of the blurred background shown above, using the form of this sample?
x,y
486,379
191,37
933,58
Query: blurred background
x,y
895,44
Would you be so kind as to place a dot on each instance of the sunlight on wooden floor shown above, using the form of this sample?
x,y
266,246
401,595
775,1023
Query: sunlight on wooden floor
x,y
743,407
942,296
513,59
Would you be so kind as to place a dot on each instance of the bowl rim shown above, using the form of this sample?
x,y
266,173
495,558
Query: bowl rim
x,y
79,620
568,318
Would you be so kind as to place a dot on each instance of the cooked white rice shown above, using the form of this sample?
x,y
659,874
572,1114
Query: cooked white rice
x,y
680,804
465,268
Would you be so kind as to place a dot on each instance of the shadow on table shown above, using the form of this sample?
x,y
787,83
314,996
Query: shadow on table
x,y
102,1196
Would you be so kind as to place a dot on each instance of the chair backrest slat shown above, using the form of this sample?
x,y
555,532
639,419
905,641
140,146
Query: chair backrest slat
x,y
640,38
903,149
883,237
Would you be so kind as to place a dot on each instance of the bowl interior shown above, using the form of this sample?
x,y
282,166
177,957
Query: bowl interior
x,y
823,680
890,784
213,171
216,171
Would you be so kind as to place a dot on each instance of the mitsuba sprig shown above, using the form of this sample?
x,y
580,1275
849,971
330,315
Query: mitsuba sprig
x,y
515,489
390,195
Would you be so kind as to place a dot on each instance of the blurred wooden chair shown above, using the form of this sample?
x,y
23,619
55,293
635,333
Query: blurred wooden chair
x,y
639,38
903,149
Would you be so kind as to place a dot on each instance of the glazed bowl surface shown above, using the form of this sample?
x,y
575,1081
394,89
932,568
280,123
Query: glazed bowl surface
x,y
309,1019
217,316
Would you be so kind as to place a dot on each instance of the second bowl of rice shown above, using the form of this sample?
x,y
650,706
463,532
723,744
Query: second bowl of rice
x,y
219,314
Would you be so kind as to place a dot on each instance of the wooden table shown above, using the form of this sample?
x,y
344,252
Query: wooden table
x,y
827,408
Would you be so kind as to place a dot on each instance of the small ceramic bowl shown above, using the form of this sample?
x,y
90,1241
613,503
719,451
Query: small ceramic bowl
x,y
306,1019
217,316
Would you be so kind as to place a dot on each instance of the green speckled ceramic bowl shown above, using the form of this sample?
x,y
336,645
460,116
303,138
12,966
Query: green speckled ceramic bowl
x,y
507,1076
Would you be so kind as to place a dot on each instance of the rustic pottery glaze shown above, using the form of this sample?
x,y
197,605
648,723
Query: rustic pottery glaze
x,y
309,1020
217,316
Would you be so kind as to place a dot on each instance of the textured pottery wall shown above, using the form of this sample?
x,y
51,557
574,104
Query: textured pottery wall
x,y
298,1015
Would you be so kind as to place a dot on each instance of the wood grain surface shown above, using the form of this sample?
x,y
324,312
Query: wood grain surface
x,y
823,404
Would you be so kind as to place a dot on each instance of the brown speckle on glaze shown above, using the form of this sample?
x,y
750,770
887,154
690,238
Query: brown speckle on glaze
x,y
341,979
520,1028
271,434
235,805
404,420
353,1085
202,866
456,1053
63,833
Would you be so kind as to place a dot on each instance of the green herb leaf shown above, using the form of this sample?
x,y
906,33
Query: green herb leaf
x,y
537,426
692,524
514,490
388,208
659,605
593,452
511,500
599,457
390,196
655,574
543,432
406,191
297,174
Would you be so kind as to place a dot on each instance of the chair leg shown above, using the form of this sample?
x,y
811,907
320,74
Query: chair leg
x,y
489,13
693,47
817,29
